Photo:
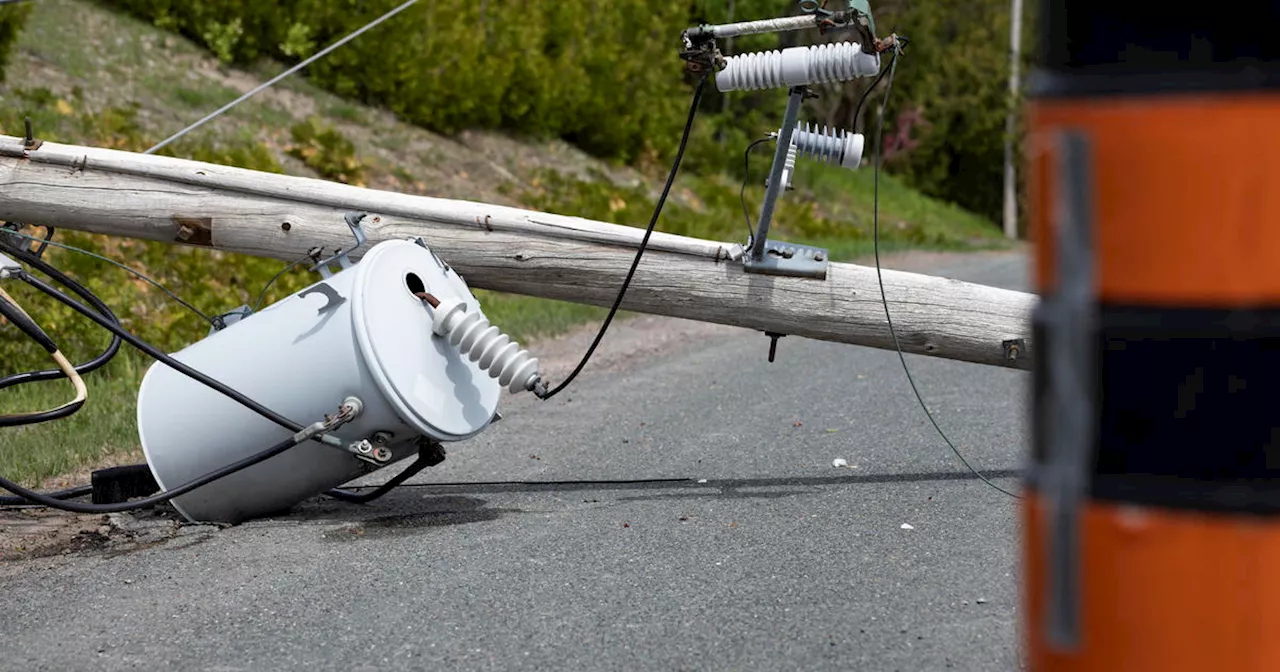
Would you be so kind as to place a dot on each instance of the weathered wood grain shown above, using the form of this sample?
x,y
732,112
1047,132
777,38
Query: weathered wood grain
x,y
507,249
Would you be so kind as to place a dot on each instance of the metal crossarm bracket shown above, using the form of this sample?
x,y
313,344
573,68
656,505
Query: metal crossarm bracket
x,y
789,259
353,220
767,257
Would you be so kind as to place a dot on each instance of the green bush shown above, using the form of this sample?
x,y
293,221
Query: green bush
x,y
606,76
12,17
955,75
603,75
323,149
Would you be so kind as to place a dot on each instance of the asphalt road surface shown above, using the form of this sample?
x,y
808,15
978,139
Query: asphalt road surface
x,y
759,555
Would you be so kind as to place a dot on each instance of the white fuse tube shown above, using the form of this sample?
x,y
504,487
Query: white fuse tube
x,y
797,66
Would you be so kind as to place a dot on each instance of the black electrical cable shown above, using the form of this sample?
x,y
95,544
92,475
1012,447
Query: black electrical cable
x,y
44,243
26,325
644,242
875,218
69,493
103,309
14,314
78,507
43,416
746,177
409,472
263,295
865,94
153,352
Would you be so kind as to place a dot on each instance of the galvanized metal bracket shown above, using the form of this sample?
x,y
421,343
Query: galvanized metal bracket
x,y
1069,312
353,220
421,242
789,259
227,319
769,257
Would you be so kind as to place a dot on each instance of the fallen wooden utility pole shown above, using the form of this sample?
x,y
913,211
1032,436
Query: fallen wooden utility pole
x,y
503,248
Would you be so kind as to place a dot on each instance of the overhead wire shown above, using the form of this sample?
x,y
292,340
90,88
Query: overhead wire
x,y
263,295
644,243
746,177
875,218
138,274
271,82
857,111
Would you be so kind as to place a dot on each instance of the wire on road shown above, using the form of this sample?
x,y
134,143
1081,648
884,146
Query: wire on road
x,y
875,218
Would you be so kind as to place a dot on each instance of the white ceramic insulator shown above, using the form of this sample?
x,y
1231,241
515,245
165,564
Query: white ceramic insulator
x,y
789,166
797,66
831,146
493,351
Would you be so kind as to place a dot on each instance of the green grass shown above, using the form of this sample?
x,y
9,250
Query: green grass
x,y
829,207
103,428
908,219
348,112
526,317
203,98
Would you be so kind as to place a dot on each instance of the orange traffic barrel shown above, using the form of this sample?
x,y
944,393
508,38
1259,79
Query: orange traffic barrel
x,y
1151,535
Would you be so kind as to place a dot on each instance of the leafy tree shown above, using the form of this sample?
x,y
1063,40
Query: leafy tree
x,y
951,88
12,17
605,75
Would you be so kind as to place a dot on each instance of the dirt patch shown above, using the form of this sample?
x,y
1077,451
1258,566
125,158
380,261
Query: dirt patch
x,y
36,533
31,534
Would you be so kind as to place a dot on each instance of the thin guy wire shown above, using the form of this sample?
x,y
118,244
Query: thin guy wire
x,y
875,214
262,87
140,275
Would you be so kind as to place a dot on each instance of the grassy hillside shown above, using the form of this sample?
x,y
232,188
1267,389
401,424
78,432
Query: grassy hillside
x,y
88,74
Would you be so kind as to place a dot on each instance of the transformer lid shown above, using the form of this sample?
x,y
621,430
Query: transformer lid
x,y
429,383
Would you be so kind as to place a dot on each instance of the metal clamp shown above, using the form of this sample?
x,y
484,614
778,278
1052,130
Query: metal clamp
x,y
9,268
227,319
353,220
374,449
1015,349
421,242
